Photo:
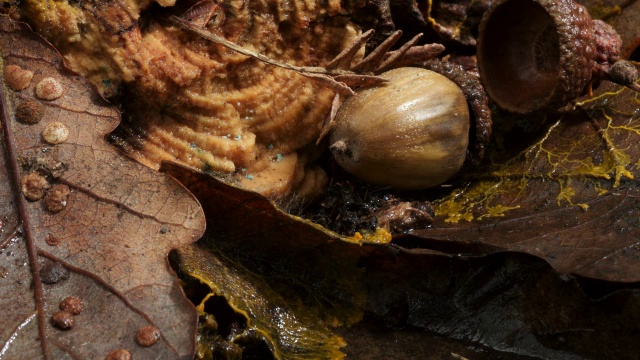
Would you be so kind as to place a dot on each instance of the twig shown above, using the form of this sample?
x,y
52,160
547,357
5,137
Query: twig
x,y
235,47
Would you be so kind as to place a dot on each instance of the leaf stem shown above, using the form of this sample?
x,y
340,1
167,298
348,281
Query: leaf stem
x,y
22,209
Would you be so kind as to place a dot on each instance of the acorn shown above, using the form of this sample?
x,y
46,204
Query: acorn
x,y
410,133
541,54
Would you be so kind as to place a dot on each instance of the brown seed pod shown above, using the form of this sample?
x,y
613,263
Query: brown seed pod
x,y
482,123
540,54
410,133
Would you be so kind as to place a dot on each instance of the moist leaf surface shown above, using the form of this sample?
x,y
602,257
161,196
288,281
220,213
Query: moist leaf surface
x,y
570,197
107,245
504,303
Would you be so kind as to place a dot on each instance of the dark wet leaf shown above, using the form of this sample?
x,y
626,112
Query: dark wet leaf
x,y
101,232
455,20
570,198
295,322
503,303
289,331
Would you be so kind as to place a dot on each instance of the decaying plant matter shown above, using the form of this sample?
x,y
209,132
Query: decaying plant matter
x,y
83,252
195,101
209,106
290,286
243,92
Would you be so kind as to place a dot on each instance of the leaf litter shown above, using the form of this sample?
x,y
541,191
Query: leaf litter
x,y
505,304
559,199
513,194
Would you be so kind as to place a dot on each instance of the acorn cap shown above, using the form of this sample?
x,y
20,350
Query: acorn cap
x,y
535,54
481,121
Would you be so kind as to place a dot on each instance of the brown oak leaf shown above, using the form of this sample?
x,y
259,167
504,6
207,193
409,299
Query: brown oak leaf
x,y
100,232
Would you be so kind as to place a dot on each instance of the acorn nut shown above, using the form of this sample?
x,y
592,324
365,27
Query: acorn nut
x,y
410,133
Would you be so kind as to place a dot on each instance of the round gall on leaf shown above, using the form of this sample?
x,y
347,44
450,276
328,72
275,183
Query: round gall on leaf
x,y
29,111
120,354
71,304
55,200
63,320
55,133
34,186
148,335
17,78
49,89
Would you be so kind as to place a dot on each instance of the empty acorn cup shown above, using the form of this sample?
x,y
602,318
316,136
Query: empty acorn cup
x,y
541,54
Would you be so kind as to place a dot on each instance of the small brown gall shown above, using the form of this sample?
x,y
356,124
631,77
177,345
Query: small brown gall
x,y
17,78
29,111
49,89
53,272
62,320
148,335
55,133
120,354
52,240
34,186
71,304
55,200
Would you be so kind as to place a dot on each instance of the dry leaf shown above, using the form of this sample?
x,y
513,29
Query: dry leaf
x,y
100,233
